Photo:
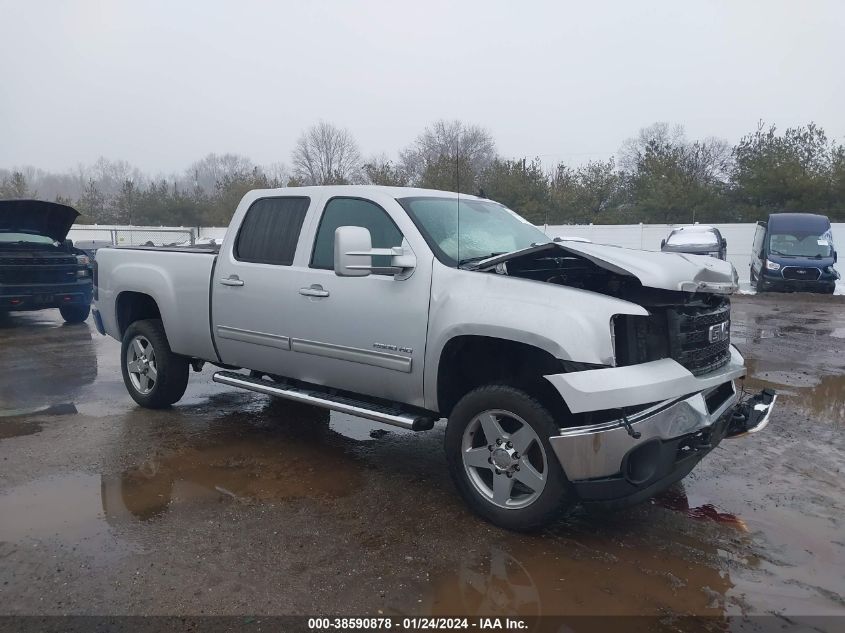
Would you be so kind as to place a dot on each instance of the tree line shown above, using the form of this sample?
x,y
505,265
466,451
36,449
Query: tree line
x,y
657,176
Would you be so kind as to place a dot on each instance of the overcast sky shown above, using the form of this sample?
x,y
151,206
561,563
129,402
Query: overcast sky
x,y
161,84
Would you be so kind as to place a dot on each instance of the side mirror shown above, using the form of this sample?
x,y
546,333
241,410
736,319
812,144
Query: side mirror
x,y
662,243
834,257
352,246
353,255
67,245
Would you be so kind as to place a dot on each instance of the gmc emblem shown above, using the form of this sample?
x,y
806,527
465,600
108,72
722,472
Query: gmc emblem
x,y
719,332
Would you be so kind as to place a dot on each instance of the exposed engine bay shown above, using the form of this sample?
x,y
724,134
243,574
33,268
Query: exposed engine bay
x,y
691,327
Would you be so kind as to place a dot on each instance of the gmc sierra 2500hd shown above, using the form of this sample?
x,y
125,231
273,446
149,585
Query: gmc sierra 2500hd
x,y
568,371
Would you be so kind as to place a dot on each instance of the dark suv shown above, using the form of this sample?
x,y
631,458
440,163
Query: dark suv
x,y
794,251
39,267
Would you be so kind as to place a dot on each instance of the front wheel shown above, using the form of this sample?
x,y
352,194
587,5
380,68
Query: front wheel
x,y
154,376
501,460
75,314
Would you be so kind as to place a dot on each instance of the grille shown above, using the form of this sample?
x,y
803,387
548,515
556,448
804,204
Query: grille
x,y
799,272
680,333
689,337
37,261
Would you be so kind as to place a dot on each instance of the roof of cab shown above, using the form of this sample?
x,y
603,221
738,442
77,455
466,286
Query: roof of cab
x,y
364,191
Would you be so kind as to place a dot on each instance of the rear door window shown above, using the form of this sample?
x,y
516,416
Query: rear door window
x,y
270,230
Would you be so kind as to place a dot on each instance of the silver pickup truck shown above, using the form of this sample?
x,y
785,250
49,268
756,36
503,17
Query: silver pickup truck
x,y
568,371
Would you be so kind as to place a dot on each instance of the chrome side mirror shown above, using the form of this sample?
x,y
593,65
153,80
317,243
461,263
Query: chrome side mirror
x,y
352,246
353,255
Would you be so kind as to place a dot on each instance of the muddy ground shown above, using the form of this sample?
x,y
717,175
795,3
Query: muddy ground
x,y
231,503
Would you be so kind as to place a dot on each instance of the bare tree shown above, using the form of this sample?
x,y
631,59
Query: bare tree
x,y
658,134
325,155
207,172
278,174
380,170
446,141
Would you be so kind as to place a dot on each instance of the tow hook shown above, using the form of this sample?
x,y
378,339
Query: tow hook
x,y
752,415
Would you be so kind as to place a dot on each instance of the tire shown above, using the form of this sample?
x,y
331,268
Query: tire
x,y
162,376
508,497
75,314
759,285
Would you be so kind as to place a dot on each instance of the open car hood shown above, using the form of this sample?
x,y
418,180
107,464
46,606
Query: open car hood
x,y
667,271
50,219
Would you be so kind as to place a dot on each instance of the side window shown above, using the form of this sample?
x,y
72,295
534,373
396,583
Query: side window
x,y
353,212
270,230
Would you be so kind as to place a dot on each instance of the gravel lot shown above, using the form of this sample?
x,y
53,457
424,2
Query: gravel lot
x,y
231,503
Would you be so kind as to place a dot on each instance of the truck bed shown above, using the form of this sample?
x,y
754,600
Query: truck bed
x,y
178,278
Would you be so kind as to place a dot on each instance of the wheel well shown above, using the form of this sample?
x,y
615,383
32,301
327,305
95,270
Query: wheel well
x,y
135,306
468,362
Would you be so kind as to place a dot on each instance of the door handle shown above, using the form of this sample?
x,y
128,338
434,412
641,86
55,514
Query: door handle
x,y
232,280
315,290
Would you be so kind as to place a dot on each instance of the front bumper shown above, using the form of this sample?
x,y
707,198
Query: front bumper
x,y
776,281
628,460
15,298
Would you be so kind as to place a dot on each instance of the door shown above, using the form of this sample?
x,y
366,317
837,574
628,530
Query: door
x,y
362,334
254,283
756,250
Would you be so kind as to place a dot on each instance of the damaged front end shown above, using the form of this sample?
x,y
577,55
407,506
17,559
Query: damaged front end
x,y
668,397
631,458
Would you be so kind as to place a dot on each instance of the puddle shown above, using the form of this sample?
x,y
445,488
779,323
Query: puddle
x,y
587,575
253,469
44,362
18,428
65,510
822,396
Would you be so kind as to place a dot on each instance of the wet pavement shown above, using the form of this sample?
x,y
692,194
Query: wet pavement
x,y
233,503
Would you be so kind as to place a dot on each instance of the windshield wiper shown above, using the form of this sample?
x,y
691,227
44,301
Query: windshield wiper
x,y
478,258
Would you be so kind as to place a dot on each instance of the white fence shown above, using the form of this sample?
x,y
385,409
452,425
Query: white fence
x,y
648,236
644,236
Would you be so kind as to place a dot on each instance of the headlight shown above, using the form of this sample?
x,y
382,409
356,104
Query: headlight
x,y
772,265
82,260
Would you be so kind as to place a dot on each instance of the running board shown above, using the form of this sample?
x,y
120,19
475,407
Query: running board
x,y
342,404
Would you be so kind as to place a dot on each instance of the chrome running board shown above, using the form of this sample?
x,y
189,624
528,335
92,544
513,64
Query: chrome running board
x,y
342,404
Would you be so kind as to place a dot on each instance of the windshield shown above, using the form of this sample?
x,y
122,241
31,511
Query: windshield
x,y
14,238
486,228
799,244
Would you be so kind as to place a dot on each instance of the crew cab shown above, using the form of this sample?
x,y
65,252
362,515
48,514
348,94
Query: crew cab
x,y
39,267
568,371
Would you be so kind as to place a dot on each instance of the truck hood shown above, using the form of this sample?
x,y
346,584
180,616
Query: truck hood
x,y
50,219
666,271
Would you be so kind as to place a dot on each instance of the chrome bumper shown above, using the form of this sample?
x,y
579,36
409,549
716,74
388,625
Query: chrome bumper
x,y
646,447
598,450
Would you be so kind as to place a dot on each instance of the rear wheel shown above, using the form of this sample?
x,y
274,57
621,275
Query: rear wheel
x,y
154,376
501,460
75,314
